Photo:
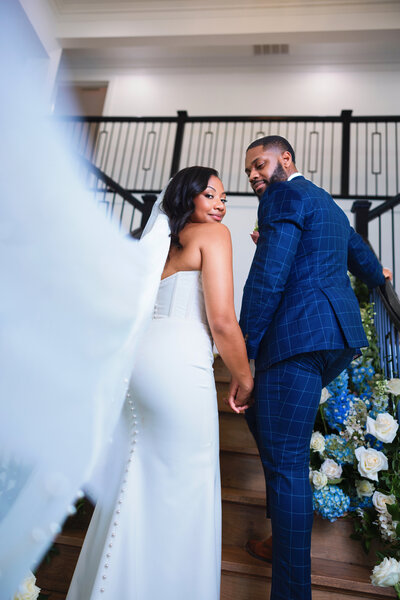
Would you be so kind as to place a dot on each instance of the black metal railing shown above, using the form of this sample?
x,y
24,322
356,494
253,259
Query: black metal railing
x,y
351,157
385,299
387,323
379,225
118,203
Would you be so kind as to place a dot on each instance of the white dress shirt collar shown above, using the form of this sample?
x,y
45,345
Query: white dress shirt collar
x,y
293,175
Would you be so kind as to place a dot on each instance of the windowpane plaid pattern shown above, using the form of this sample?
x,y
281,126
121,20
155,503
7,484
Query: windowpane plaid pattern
x,y
298,297
287,397
302,324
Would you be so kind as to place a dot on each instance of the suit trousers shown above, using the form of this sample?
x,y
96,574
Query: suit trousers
x,y
287,397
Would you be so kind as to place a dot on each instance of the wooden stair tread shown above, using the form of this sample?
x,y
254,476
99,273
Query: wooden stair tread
x,y
252,497
327,574
50,595
72,537
248,450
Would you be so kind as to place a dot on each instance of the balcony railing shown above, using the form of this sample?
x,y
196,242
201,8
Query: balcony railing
x,y
387,323
351,157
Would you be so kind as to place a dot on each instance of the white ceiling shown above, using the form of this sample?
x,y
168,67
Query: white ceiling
x,y
124,34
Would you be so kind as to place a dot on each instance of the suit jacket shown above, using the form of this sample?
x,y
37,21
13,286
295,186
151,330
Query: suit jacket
x,y
298,296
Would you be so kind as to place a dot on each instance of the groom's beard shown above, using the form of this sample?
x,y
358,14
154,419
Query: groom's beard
x,y
277,175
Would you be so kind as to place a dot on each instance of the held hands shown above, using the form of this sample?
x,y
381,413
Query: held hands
x,y
239,398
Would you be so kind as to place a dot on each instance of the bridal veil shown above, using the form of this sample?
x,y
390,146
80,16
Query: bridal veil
x,y
75,295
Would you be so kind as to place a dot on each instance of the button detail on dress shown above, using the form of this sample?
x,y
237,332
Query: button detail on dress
x,y
133,433
54,528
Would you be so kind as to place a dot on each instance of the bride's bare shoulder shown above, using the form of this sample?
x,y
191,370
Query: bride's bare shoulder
x,y
208,232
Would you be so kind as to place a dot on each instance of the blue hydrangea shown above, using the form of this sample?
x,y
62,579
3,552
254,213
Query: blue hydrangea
x,y
336,448
361,375
362,503
330,502
366,397
337,409
379,405
340,384
373,442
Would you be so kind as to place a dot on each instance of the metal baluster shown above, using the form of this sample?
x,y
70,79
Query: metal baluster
x,y
161,182
232,151
140,152
130,163
157,149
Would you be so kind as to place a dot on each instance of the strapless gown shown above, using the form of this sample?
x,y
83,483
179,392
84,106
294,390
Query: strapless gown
x,y
156,532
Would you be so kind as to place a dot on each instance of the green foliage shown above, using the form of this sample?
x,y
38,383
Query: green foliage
x,y
361,291
367,395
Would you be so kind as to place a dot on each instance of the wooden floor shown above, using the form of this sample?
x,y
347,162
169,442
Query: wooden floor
x,y
340,569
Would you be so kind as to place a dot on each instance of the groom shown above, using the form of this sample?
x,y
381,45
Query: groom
x,y
302,325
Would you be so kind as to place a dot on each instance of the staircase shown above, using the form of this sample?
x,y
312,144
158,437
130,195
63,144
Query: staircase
x,y
55,572
340,569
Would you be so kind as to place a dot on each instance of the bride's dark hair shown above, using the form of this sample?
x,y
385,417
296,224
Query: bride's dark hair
x,y
178,202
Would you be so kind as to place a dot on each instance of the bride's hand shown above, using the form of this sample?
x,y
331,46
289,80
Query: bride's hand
x,y
239,398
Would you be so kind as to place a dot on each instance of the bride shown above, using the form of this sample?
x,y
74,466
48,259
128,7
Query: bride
x,y
156,529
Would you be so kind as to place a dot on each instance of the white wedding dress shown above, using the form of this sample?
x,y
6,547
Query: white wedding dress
x,y
76,298
156,530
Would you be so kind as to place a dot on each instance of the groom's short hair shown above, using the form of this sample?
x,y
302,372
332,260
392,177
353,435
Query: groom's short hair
x,y
273,141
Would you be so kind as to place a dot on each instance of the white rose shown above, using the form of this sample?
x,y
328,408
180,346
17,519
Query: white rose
x,y
317,442
387,527
387,573
393,386
380,501
319,479
324,396
364,488
370,462
331,469
27,589
384,427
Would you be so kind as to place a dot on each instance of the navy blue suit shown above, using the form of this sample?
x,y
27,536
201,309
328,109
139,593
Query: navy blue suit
x,y
302,325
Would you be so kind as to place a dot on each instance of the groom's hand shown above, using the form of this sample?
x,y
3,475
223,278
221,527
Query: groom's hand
x,y
387,273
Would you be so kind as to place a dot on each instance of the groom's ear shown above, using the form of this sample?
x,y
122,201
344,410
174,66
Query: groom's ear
x,y
286,158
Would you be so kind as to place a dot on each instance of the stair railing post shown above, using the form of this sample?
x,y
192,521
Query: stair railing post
x,y
180,130
148,203
345,164
361,210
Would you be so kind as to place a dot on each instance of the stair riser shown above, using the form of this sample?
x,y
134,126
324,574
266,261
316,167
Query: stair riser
x,y
242,587
56,574
329,540
241,523
242,471
234,433
245,587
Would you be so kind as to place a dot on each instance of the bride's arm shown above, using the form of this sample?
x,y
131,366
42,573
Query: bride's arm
x,y
216,253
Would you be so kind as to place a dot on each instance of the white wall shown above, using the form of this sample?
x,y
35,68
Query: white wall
x,y
300,90
245,91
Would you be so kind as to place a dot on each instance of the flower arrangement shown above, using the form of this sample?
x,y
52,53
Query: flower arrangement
x,y
355,456
27,590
